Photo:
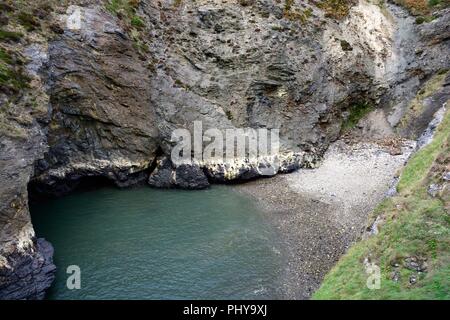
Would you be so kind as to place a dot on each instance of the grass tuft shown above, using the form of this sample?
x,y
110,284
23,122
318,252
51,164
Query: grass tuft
x,y
28,21
336,9
357,112
10,36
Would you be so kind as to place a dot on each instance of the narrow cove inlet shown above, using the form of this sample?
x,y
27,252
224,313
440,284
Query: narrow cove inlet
x,y
161,244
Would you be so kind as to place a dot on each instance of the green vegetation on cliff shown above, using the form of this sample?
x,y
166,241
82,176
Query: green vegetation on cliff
x,y
412,247
336,9
356,113
423,9
12,79
127,12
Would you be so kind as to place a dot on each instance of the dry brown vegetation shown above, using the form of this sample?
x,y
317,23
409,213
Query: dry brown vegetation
x,y
336,9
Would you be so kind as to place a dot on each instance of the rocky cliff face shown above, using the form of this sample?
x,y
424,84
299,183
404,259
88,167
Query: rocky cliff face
x,y
102,122
108,82
262,65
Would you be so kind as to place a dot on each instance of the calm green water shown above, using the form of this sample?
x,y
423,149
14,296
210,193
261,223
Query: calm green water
x,y
161,244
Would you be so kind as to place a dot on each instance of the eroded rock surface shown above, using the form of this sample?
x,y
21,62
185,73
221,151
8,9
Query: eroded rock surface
x,y
27,275
102,122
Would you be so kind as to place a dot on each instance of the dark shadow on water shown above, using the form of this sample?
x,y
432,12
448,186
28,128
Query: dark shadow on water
x,y
40,192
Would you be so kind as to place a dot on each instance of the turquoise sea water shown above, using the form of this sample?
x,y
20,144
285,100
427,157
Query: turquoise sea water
x,y
146,243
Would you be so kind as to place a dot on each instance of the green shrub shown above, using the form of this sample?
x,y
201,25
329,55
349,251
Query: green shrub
x,y
28,21
357,112
5,56
336,9
432,3
128,6
10,35
137,22
288,5
12,80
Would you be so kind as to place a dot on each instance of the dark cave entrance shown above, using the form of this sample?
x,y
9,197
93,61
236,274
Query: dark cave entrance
x,y
42,191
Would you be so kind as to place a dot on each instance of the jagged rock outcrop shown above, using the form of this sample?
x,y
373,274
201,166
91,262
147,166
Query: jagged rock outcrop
x,y
29,274
26,267
419,69
97,120
107,90
166,175
102,122
230,65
